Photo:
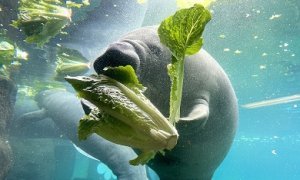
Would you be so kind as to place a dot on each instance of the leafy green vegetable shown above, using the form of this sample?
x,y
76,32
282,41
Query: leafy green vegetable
x,y
86,2
123,114
81,14
4,72
7,71
72,4
126,75
70,62
31,88
20,55
41,19
181,33
9,56
7,52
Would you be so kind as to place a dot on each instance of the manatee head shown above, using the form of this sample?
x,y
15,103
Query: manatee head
x,y
143,51
120,53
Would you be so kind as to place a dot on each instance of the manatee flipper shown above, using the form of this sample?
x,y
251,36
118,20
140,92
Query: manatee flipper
x,y
31,117
199,112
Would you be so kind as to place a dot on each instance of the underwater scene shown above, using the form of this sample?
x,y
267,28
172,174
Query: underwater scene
x,y
149,89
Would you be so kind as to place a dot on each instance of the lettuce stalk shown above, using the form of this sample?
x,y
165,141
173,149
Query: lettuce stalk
x,y
181,33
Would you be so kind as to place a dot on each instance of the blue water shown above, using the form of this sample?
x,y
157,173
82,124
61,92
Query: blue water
x,y
258,45
266,146
268,139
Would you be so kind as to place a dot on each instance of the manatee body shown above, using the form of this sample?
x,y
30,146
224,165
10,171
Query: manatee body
x,y
65,109
209,105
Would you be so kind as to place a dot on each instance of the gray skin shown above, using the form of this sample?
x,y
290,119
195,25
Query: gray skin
x,y
65,109
209,113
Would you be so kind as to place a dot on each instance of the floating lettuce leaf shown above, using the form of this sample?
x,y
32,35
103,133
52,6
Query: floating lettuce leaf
x,y
86,2
7,52
32,88
41,19
20,55
181,33
123,114
9,56
4,72
70,62
7,71
71,4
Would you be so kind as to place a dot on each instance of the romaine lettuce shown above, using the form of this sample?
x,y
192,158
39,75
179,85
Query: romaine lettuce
x,y
70,62
7,52
71,4
41,19
181,33
123,114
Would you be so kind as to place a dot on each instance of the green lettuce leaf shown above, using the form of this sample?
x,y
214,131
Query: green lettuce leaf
x,y
122,114
70,62
7,52
41,19
71,4
181,33
10,54
125,75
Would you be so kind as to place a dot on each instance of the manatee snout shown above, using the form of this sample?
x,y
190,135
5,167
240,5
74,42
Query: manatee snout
x,y
118,54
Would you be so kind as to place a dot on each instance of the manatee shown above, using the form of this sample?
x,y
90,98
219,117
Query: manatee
x,y
65,109
209,105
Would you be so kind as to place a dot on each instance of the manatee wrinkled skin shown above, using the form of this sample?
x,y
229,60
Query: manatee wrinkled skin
x,y
209,105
